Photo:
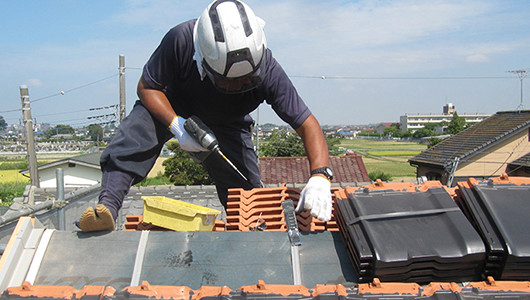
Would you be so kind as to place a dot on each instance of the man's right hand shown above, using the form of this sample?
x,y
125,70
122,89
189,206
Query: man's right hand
x,y
186,141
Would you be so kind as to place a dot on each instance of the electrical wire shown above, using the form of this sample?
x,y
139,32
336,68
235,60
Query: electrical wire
x,y
400,78
75,88
62,92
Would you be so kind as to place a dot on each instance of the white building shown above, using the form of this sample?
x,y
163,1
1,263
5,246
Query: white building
x,y
415,122
79,171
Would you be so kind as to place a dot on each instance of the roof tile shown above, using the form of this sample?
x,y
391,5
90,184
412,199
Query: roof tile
x,y
349,168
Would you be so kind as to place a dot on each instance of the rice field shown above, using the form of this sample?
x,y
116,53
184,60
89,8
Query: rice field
x,y
12,176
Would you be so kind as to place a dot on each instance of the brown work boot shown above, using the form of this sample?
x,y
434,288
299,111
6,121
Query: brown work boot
x,y
96,220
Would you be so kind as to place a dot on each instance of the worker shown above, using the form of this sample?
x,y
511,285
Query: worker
x,y
218,68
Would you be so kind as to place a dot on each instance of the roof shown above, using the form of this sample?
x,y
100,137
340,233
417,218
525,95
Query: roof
x,y
349,168
233,264
90,160
475,139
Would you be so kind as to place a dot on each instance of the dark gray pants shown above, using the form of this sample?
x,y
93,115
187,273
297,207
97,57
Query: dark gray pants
x,y
134,149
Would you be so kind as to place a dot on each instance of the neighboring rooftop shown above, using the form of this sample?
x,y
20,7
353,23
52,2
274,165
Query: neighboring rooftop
x,y
475,139
346,169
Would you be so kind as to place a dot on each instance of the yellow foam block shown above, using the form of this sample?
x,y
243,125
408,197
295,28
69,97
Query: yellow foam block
x,y
178,215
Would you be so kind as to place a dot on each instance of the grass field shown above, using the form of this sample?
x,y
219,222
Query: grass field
x,y
390,157
12,176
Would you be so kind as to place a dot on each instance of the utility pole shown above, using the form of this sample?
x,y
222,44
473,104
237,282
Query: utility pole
x,y
30,139
522,74
122,87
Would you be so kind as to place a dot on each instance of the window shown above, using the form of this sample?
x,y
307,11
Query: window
x,y
71,165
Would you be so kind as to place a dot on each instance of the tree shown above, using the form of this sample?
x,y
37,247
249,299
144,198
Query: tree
x,y
182,170
60,129
95,132
3,124
456,125
282,143
393,130
333,142
423,132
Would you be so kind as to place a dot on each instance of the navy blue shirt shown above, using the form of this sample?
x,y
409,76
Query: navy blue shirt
x,y
173,70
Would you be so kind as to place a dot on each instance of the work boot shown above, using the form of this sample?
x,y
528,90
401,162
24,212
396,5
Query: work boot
x,y
99,219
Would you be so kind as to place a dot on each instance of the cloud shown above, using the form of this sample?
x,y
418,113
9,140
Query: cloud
x,y
34,82
477,58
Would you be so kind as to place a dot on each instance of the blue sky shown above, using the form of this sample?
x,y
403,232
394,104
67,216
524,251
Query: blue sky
x,y
380,59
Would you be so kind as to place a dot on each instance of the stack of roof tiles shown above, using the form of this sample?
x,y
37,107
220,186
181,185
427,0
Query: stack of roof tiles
x,y
256,209
261,209
499,210
409,233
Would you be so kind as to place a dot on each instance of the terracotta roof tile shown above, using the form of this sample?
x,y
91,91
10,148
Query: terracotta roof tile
x,y
488,289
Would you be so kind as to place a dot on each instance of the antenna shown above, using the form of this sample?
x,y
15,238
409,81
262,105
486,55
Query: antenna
x,y
522,74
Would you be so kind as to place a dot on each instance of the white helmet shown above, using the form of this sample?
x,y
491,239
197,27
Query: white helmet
x,y
231,46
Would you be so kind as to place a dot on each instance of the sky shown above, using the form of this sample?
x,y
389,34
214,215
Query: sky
x,y
353,62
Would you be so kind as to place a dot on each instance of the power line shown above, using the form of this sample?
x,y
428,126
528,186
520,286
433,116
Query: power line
x,y
62,92
400,78
75,88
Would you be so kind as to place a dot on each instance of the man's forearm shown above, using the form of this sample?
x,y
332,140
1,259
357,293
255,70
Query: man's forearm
x,y
156,102
314,143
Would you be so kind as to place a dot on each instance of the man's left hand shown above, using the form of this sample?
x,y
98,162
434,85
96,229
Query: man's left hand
x,y
316,197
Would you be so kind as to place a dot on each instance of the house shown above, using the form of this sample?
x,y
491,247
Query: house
x,y
482,151
416,121
381,127
275,170
79,171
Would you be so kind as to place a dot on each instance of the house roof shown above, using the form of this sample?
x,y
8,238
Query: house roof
x,y
252,264
275,170
90,160
475,139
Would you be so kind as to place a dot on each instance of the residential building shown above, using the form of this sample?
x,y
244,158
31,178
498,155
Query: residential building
x,y
381,127
79,171
417,121
482,151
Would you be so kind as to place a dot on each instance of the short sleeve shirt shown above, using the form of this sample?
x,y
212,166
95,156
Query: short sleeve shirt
x,y
172,69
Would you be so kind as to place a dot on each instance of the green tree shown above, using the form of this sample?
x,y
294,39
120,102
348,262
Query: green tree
x,y
378,174
282,143
3,124
333,142
182,170
456,125
59,129
423,132
393,130
95,132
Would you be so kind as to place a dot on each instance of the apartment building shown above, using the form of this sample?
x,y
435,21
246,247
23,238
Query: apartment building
x,y
417,121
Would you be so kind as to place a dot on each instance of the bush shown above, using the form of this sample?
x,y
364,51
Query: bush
x,y
14,165
379,175
10,190
160,179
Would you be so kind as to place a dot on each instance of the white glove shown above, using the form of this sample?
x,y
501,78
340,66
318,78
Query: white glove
x,y
316,196
186,141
